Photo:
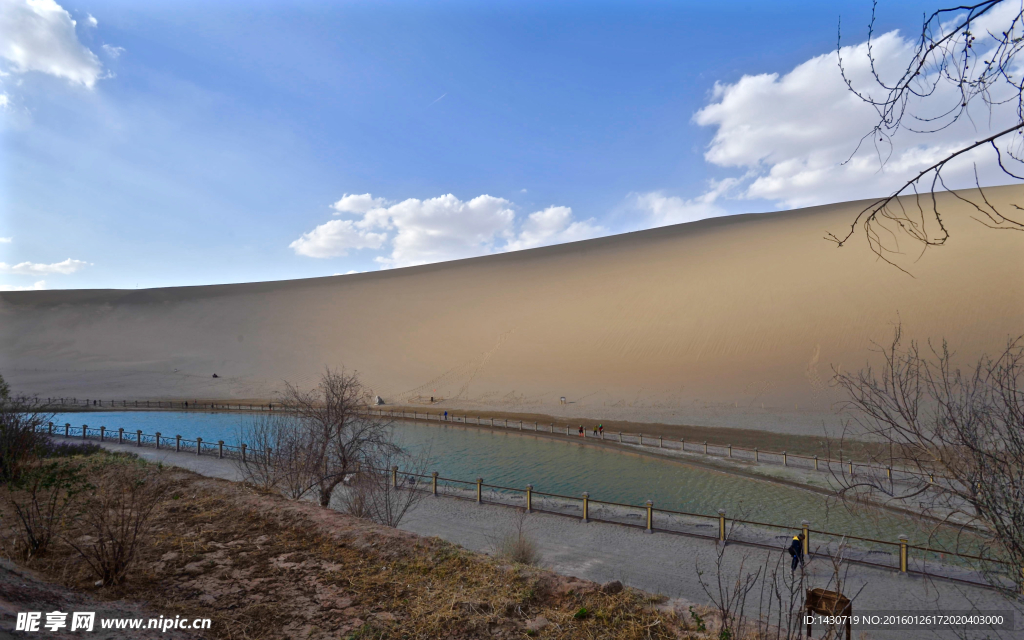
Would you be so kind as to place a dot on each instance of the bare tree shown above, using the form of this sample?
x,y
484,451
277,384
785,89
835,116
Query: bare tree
x,y
384,488
965,57
279,455
337,429
955,442
20,417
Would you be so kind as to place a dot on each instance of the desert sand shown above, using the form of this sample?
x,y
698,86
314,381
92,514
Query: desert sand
x,y
729,322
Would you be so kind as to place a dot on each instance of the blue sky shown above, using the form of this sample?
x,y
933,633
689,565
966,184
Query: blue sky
x,y
178,143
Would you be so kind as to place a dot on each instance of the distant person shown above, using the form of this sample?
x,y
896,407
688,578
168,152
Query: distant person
x,y
446,415
582,435
796,550
595,432
600,429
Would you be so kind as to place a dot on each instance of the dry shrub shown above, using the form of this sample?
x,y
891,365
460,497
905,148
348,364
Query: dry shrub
x,y
116,519
515,544
43,499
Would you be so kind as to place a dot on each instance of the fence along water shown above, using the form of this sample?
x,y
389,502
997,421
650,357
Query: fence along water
x,y
899,555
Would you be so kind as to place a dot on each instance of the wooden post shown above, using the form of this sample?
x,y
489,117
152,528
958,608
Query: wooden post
x,y
650,516
529,498
433,483
757,456
730,450
705,447
815,463
243,451
85,428
138,438
120,435
199,446
177,444
220,449
67,429
394,476
102,429
641,439
586,507
157,439
903,553
785,462
51,428
479,490
721,525
805,527
661,442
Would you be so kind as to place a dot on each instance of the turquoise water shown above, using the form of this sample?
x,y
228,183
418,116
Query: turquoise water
x,y
566,468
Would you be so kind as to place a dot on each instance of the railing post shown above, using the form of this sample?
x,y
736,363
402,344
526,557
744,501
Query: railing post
x,y
805,526
102,429
138,438
529,498
479,490
757,456
730,450
851,468
903,553
243,451
120,435
650,516
586,507
888,473
815,463
705,447
721,525
157,439
220,449
433,483
641,439
67,429
51,428
85,429
661,442
199,446
785,461
394,476
177,444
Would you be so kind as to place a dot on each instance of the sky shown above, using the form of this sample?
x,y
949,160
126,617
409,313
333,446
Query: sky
x,y
151,144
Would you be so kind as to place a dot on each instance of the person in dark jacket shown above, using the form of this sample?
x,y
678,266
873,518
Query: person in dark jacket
x,y
796,550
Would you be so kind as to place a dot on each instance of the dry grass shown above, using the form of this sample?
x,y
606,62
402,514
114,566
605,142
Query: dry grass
x,y
261,566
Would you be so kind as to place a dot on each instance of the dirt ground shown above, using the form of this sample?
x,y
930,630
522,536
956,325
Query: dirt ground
x,y
261,566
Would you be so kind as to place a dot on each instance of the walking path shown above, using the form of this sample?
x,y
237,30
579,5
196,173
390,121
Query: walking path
x,y
657,563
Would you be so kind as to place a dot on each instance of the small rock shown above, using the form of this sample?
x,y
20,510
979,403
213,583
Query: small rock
x,y
169,556
537,623
611,588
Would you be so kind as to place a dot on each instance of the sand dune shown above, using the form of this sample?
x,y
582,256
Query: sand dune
x,y
702,323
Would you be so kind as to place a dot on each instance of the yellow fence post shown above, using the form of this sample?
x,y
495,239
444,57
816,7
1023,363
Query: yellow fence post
x,y
479,490
757,457
815,463
903,553
805,526
529,498
888,473
650,516
586,507
705,447
721,525
785,459
394,476
433,483
730,450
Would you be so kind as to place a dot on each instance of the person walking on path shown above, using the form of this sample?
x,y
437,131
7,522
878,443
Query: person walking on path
x,y
600,429
796,550
446,416
595,432
582,435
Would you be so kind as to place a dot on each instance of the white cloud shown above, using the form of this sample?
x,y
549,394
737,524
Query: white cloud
x,y
36,269
112,51
39,35
352,203
415,231
661,210
91,21
6,240
553,225
792,134
4,100
38,286
335,238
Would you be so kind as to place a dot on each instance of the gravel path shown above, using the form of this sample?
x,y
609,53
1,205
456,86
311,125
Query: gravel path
x,y
657,563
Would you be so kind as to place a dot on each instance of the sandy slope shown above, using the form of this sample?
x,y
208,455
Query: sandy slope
x,y
702,323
